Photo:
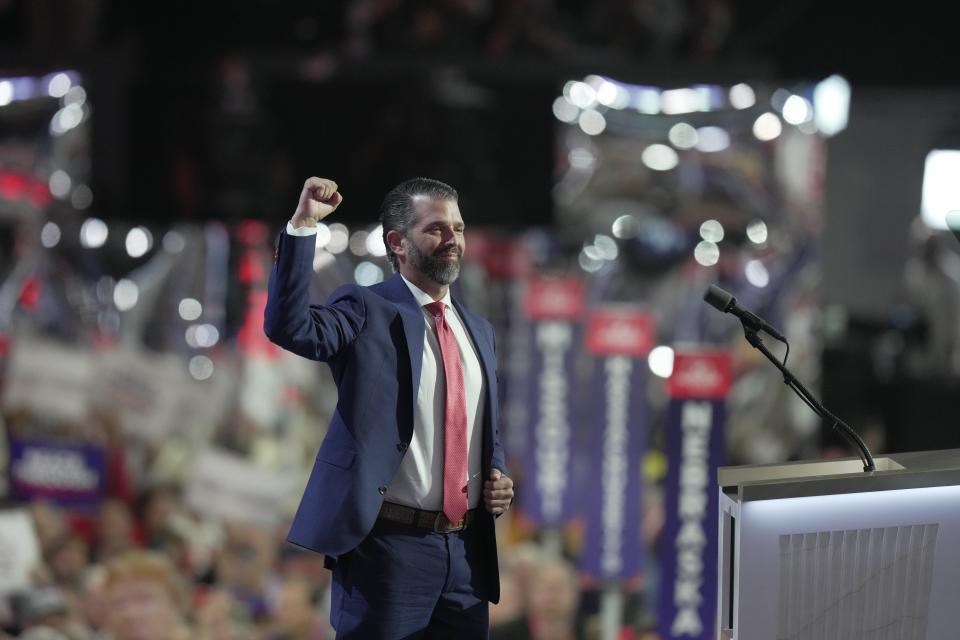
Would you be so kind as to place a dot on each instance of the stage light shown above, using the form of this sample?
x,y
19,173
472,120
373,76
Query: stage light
x,y
588,263
660,361
756,274
742,96
565,111
659,157
367,274
58,85
93,233
50,235
683,136
82,197
767,127
940,196
358,243
712,139
779,99
648,100
797,110
711,231
125,294
675,101
75,96
375,245
323,236
200,367
582,95
606,92
606,247
59,183
138,242
831,105
592,122
173,242
201,336
190,309
625,227
6,92
706,253
757,232
322,259
339,238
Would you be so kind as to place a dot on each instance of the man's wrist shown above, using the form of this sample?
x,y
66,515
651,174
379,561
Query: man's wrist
x,y
302,231
297,222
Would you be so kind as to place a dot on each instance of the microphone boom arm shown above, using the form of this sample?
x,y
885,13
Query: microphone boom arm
x,y
753,337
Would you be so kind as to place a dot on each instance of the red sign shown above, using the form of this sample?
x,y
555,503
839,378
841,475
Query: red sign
x,y
620,331
701,375
558,298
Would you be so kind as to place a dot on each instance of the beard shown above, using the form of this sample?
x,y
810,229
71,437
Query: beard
x,y
440,271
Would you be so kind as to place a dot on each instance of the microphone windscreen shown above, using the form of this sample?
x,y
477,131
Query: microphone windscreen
x,y
717,297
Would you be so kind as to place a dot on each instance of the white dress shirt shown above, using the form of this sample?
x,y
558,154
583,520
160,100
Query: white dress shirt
x,y
419,481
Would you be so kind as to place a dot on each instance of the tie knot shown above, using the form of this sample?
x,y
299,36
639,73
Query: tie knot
x,y
435,308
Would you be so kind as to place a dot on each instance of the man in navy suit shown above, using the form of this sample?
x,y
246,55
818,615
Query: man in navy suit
x,y
410,476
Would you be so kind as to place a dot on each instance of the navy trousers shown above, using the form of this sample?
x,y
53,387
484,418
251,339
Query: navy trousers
x,y
405,583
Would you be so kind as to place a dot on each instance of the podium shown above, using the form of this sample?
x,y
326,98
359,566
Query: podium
x,y
821,550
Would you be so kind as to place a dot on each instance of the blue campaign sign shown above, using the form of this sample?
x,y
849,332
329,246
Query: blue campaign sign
x,y
620,338
65,473
554,306
614,491
694,449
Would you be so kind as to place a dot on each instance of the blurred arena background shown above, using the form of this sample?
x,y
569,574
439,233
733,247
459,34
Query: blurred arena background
x,y
614,158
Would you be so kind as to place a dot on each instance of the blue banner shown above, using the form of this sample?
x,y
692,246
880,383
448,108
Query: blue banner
x,y
614,488
547,491
65,473
694,449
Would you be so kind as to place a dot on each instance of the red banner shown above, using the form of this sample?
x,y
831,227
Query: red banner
x,y
703,375
559,298
620,331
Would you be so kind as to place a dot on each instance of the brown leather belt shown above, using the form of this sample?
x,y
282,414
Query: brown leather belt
x,y
433,520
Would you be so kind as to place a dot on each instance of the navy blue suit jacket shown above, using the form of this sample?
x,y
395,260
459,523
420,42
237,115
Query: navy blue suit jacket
x,y
372,339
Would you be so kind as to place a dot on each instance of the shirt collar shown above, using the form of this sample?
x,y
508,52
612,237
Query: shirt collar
x,y
422,298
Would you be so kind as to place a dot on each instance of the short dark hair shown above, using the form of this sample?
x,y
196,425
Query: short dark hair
x,y
396,212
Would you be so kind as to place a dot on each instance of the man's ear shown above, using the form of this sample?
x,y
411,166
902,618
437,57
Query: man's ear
x,y
394,240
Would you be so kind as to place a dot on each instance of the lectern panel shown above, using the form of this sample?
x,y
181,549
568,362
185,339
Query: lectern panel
x,y
882,564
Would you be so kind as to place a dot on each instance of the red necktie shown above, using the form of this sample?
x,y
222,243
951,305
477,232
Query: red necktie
x,y
455,419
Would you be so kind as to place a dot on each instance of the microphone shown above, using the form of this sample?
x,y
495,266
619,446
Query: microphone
x,y
724,301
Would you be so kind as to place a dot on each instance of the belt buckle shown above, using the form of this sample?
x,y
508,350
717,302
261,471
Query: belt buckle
x,y
451,527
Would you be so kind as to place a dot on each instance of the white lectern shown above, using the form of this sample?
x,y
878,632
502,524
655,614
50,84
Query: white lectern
x,y
821,550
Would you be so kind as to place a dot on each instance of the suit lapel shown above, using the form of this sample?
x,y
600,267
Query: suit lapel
x,y
395,290
480,340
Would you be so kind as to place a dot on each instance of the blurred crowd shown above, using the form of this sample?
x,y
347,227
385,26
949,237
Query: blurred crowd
x,y
141,564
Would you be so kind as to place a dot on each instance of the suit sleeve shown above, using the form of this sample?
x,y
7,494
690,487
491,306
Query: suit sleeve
x,y
317,332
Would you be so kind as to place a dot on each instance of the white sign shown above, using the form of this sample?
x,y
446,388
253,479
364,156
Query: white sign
x,y
228,486
19,550
157,398
49,379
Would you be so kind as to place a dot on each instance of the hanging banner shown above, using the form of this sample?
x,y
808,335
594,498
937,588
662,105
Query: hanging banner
x,y
65,473
554,306
694,448
620,338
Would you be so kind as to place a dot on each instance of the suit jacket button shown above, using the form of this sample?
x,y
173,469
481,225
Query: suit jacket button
x,y
382,489
402,447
